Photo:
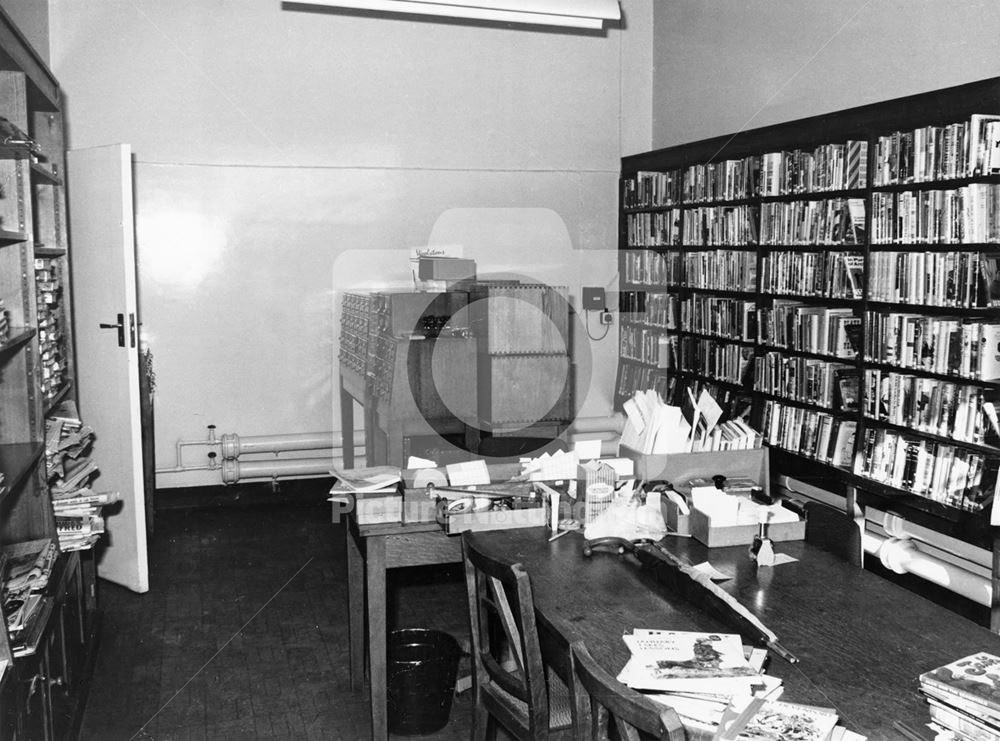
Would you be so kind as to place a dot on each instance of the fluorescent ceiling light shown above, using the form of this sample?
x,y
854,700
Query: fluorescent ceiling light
x,y
572,13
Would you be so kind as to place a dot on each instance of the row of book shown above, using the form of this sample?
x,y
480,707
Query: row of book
x,y
810,433
944,473
809,380
648,267
728,180
633,376
828,221
968,148
719,226
645,345
953,410
652,189
946,345
970,214
823,274
722,361
48,299
719,316
956,279
653,229
928,153
808,328
733,270
827,167
963,698
656,309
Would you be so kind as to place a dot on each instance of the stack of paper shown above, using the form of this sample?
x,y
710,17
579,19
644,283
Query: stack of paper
x,y
373,493
79,523
700,675
653,427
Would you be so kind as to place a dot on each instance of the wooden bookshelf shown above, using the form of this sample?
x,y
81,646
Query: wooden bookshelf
x,y
44,683
836,225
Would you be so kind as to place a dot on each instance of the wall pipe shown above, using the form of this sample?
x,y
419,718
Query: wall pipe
x,y
233,446
902,556
234,470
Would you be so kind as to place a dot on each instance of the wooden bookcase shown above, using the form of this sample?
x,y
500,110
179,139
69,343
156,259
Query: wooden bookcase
x,y
769,265
44,686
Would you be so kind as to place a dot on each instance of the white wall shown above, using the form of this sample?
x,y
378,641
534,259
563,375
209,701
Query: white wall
x,y
273,146
728,65
32,19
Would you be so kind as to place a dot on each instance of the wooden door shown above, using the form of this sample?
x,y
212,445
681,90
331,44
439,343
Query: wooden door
x,y
102,260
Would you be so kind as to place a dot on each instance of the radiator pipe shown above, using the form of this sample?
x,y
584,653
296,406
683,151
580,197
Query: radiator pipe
x,y
902,556
233,446
234,470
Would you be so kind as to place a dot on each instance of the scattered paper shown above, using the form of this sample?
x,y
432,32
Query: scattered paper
x,y
780,558
710,571
376,478
556,466
587,450
468,473
416,462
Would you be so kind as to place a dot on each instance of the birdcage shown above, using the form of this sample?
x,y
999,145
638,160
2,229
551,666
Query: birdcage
x,y
599,490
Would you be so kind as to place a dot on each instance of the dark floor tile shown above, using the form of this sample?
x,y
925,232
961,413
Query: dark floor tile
x,y
243,633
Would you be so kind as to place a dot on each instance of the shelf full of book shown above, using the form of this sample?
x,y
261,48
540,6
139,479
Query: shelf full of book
x,y
47,590
841,274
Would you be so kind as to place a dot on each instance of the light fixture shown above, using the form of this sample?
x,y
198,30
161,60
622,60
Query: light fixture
x,y
571,13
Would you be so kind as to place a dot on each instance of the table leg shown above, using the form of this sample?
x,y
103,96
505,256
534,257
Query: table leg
x,y
355,608
347,427
375,568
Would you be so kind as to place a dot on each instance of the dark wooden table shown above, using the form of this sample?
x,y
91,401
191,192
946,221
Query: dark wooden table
x,y
371,551
860,640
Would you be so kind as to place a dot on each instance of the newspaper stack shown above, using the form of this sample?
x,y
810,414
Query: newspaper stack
x,y
26,575
76,506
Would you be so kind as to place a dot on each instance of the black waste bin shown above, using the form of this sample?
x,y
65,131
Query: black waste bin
x,y
422,664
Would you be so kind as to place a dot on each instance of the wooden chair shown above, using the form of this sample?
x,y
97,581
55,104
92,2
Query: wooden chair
x,y
510,684
557,655
631,711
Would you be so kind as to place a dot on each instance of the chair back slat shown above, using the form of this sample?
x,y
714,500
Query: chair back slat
x,y
500,590
630,710
507,620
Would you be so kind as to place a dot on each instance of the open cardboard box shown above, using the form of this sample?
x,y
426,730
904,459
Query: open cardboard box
x,y
703,531
680,468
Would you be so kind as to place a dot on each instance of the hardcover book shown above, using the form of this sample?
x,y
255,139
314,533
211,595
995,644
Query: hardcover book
x,y
778,721
975,678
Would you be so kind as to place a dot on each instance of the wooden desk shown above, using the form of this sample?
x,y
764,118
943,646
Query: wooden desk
x,y
371,551
861,641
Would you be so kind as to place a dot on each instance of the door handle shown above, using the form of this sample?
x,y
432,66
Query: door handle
x,y
120,326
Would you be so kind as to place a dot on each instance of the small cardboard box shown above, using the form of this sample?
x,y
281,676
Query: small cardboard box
x,y
373,508
716,537
675,521
534,515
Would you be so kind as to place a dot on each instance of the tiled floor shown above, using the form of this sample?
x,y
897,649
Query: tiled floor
x,y
243,633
